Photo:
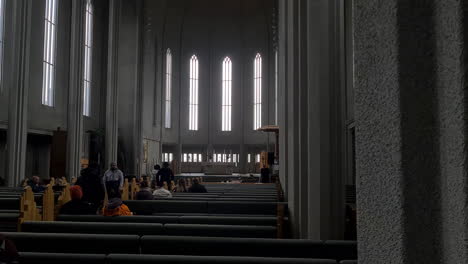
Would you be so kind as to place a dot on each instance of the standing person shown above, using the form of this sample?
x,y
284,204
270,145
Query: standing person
x,y
90,183
265,175
197,187
154,173
165,175
113,178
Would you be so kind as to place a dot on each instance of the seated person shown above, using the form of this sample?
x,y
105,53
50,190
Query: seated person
x,y
76,206
181,186
145,192
35,184
197,187
160,192
115,206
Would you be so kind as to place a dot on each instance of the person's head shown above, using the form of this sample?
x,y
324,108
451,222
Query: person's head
x,y
157,167
76,193
159,185
144,184
181,182
113,166
36,179
165,164
195,181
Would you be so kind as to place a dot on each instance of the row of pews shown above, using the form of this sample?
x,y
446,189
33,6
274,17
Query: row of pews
x,y
18,205
232,223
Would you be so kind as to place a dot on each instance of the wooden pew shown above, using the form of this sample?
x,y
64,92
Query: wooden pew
x,y
134,188
28,208
65,197
125,194
48,204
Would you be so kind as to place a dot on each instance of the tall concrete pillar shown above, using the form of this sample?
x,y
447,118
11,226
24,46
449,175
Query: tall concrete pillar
x,y
112,120
310,117
138,105
75,92
18,84
411,136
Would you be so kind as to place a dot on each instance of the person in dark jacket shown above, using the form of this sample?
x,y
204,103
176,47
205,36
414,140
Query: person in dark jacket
x,y
36,185
77,206
165,175
90,182
197,187
145,192
115,205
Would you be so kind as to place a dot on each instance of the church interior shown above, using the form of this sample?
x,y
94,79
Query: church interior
x,y
233,131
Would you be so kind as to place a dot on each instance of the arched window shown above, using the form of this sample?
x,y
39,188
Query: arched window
x,y
226,110
50,37
87,63
193,94
168,100
257,106
2,39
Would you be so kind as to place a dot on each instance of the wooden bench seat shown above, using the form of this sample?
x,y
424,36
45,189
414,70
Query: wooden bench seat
x,y
150,229
256,247
93,228
61,258
75,243
137,259
10,203
217,220
210,207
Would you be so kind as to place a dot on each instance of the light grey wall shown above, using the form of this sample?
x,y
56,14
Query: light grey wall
x,y
43,119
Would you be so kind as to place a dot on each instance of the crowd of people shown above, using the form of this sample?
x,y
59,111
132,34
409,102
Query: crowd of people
x,y
89,190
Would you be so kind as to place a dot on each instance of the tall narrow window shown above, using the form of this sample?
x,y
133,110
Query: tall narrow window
x,y
88,51
2,39
257,92
168,88
50,36
226,110
193,94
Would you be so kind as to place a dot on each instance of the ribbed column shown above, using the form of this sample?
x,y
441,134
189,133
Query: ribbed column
x,y
138,106
112,89
75,91
18,84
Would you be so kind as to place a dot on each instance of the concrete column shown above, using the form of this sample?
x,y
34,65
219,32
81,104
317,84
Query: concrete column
x,y
411,136
243,159
112,120
138,105
311,117
18,83
75,91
